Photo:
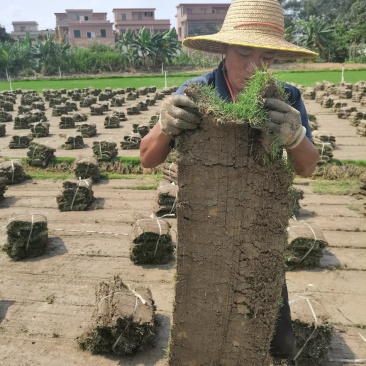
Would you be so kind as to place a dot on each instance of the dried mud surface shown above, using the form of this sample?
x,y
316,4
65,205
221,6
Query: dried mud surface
x,y
46,302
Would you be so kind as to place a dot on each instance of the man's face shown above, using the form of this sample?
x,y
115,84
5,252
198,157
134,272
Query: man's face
x,y
241,62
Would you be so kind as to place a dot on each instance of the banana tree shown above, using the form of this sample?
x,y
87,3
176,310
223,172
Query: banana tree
x,y
315,34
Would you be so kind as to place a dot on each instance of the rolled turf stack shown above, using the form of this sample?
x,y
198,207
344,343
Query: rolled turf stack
x,y
66,122
13,171
79,117
77,195
143,129
2,129
104,150
3,187
87,130
5,116
74,142
40,129
112,121
305,245
295,195
123,321
39,155
20,142
131,142
87,168
170,172
152,242
27,236
361,128
166,200
313,331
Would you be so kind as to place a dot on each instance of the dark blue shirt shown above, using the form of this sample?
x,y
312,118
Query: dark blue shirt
x,y
216,79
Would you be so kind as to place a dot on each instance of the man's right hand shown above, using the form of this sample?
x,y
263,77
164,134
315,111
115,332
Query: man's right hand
x,y
178,113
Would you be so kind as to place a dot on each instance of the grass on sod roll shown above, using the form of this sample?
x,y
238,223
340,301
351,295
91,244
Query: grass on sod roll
x,y
306,78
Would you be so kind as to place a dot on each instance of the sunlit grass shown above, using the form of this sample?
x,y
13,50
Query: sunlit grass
x,y
338,187
306,78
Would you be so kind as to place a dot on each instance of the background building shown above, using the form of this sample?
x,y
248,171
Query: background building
x,y
200,19
80,27
21,28
135,19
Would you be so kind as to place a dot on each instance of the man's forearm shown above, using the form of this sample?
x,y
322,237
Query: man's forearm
x,y
154,148
304,157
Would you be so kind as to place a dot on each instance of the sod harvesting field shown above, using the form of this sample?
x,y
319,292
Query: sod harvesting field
x,y
306,78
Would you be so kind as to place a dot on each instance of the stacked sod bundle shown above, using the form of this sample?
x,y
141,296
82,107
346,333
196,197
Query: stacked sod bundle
x,y
104,150
27,236
166,200
3,187
87,168
112,121
40,129
313,331
73,142
2,129
20,142
66,122
361,128
87,130
305,245
5,116
170,172
123,321
13,171
151,242
131,142
77,195
39,155
295,196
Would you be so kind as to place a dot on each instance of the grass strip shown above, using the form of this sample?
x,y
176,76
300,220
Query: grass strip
x,y
306,78
338,187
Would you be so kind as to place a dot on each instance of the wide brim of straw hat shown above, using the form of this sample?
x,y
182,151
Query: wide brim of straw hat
x,y
216,43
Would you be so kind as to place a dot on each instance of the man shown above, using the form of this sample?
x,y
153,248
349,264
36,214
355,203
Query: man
x,y
252,37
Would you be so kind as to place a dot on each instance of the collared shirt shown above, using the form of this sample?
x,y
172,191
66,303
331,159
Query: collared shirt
x,y
216,79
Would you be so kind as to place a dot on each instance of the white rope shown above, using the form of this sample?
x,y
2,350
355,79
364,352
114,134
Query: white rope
x,y
30,233
315,325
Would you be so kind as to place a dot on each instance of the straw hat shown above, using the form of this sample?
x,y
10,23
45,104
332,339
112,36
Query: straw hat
x,y
251,23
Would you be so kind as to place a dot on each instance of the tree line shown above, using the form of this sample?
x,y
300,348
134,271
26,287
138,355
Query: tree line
x,y
334,28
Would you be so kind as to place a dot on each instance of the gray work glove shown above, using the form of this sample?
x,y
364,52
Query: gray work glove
x,y
178,113
284,127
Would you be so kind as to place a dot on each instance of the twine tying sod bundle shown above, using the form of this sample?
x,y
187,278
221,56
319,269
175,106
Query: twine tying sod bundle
x,y
312,245
323,146
13,171
137,297
30,234
315,324
153,217
76,191
171,214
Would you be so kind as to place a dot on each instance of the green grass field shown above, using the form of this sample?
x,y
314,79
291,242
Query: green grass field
x,y
306,78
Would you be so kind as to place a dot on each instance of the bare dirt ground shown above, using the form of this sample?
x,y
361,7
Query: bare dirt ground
x,y
46,302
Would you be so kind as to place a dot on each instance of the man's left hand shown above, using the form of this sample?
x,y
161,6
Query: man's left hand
x,y
284,126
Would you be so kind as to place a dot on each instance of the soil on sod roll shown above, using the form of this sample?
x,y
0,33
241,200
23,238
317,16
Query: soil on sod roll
x,y
123,321
233,206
